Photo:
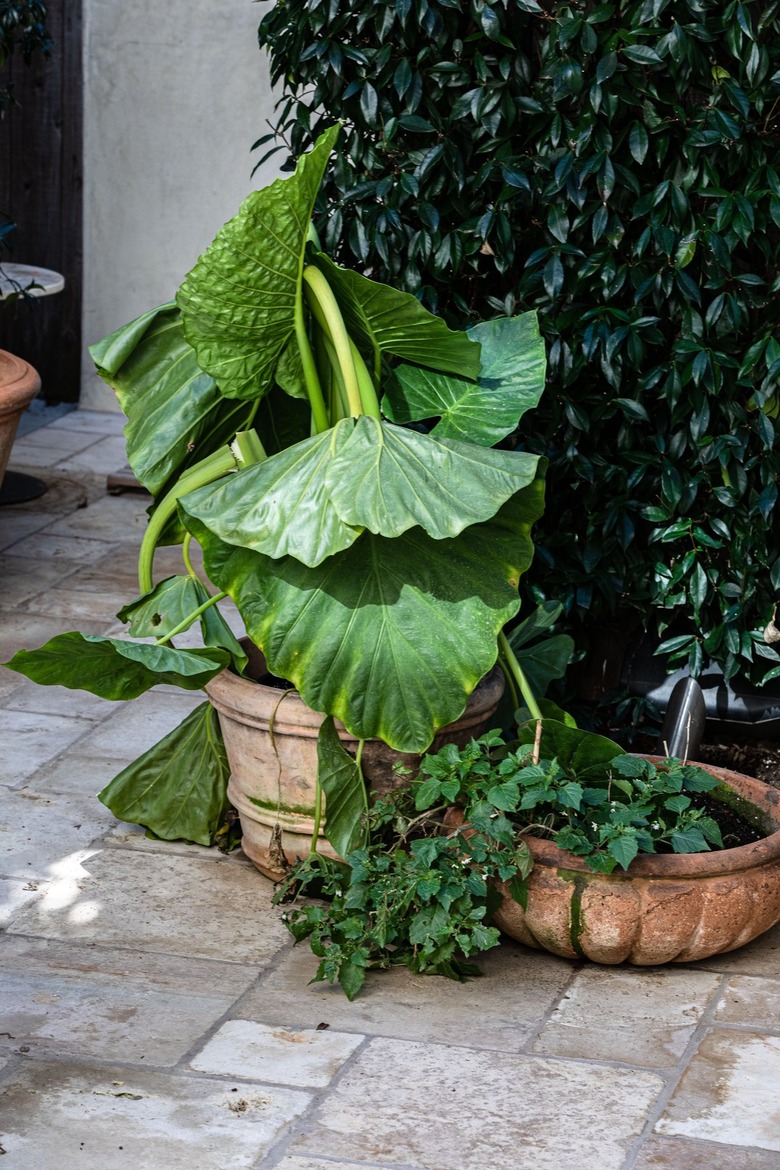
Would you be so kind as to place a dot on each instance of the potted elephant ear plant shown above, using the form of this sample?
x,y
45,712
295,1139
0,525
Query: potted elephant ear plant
x,y
332,447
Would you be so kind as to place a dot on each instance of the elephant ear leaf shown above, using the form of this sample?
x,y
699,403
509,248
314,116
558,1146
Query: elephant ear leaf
x,y
239,302
115,669
178,788
176,415
346,802
510,382
382,319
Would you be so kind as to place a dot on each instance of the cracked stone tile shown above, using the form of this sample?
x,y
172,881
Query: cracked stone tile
x,y
107,518
519,986
15,894
671,1154
72,1115
162,903
72,607
41,834
262,1052
728,1093
101,457
751,1001
437,1107
31,739
634,1016
97,1002
83,775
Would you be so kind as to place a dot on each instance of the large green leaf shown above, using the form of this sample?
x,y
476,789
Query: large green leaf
x,y
390,636
163,608
510,382
381,319
178,788
114,669
238,303
169,604
346,799
176,415
582,754
282,506
389,479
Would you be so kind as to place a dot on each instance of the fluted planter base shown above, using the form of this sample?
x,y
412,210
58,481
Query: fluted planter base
x,y
667,908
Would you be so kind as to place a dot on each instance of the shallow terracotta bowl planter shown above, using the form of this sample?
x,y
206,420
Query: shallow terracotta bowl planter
x,y
271,743
666,908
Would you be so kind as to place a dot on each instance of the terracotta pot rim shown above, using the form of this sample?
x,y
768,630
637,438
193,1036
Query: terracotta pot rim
x,y
19,383
685,865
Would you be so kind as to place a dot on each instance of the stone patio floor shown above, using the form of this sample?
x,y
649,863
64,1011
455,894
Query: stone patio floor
x,y
155,1014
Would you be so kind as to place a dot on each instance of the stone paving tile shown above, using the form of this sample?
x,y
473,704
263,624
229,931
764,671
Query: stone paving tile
x,y
23,577
635,1016
137,725
751,1001
133,837
15,894
15,527
46,546
162,903
31,739
62,496
73,606
106,518
729,1092
671,1154
95,1002
420,1007
438,1107
262,1052
102,457
101,422
43,449
85,775
30,845
320,1164
32,697
76,1116
761,957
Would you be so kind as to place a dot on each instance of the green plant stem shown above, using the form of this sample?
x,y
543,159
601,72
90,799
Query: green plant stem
x,y
245,450
368,396
185,556
185,623
310,376
516,671
328,315
340,401
315,834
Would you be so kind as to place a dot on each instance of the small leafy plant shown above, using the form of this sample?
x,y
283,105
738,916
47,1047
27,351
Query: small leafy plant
x,y
421,893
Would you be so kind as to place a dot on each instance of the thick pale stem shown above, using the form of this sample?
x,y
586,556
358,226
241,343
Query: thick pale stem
x,y
319,411
368,395
185,623
328,315
518,675
245,450
317,816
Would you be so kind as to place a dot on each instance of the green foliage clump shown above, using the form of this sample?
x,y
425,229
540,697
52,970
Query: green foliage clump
x,y
613,165
421,892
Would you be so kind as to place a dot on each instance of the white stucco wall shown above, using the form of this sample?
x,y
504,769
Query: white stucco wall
x,y
175,95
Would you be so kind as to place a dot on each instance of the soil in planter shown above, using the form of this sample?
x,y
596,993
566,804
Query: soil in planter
x,y
273,680
733,829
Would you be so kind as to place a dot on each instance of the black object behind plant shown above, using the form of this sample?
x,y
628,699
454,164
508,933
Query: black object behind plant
x,y
612,165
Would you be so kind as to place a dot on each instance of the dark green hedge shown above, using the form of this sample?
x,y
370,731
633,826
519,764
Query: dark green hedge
x,y
22,28
614,165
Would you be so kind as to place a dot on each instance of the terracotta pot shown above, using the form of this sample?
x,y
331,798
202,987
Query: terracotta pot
x,y
19,383
271,742
666,908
